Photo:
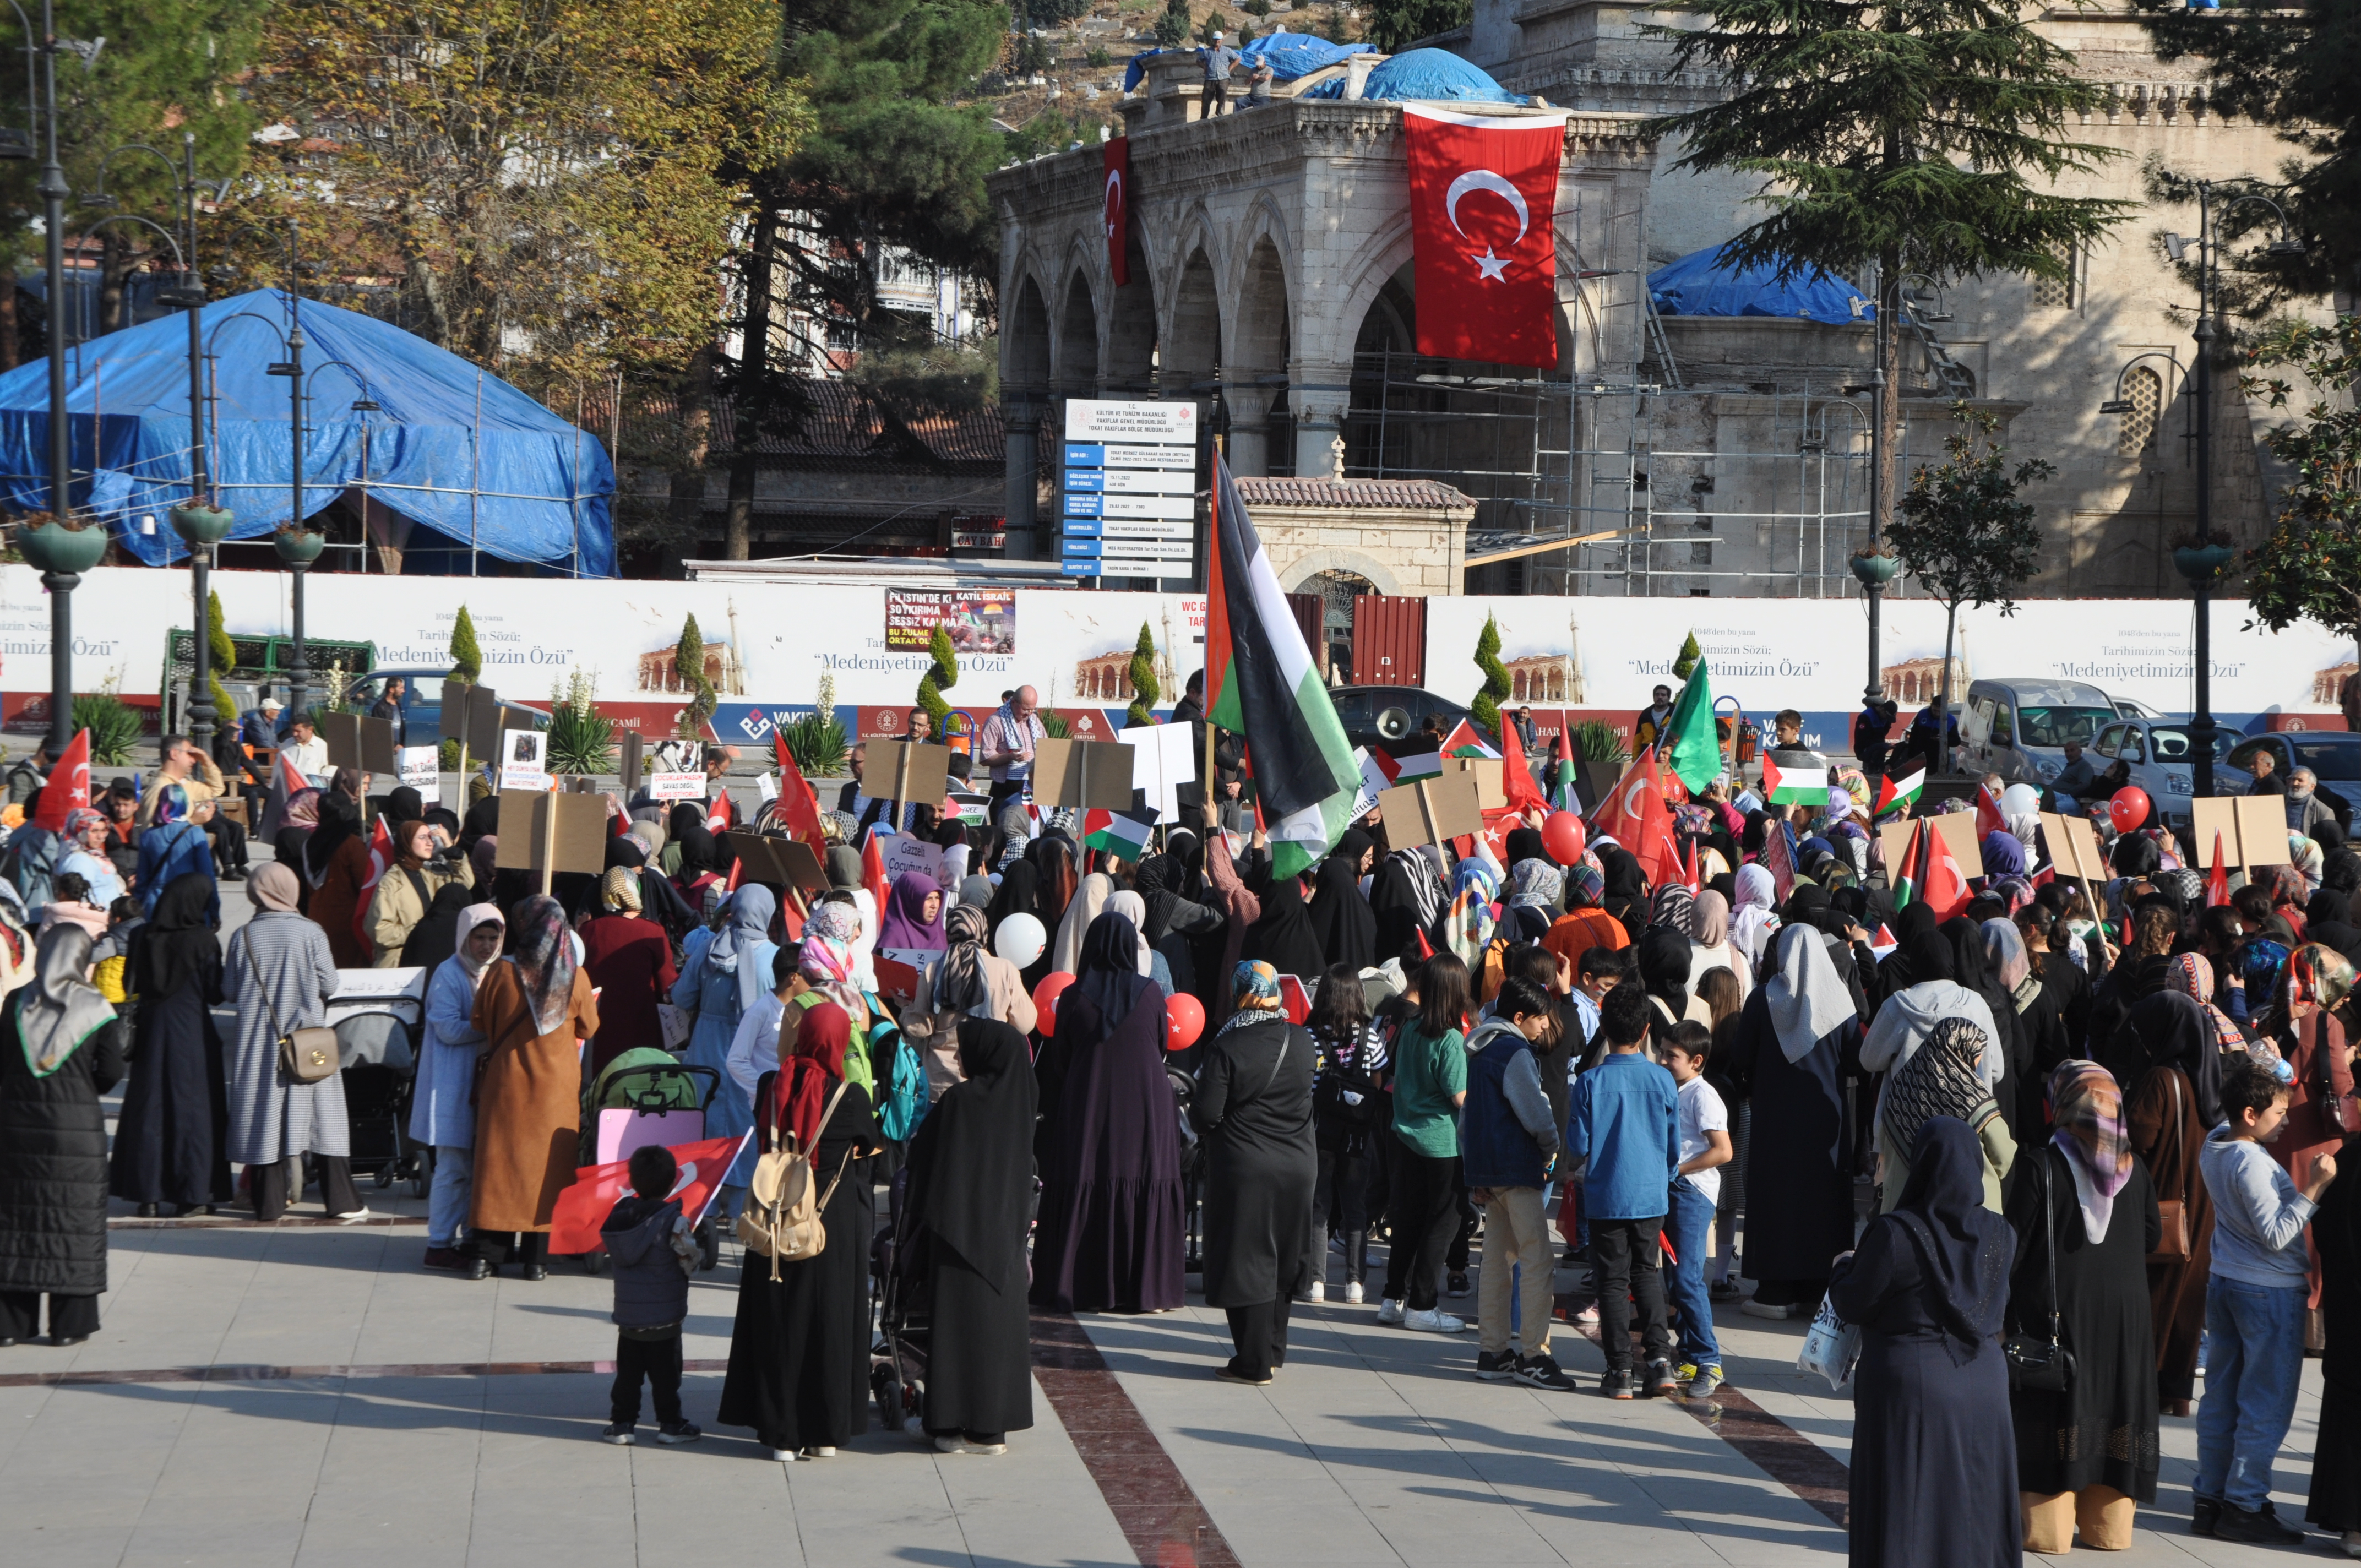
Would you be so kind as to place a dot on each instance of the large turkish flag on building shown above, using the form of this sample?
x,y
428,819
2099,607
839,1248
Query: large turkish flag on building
x,y
1483,190
1116,155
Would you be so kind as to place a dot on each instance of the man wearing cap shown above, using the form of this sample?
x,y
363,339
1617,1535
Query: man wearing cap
x,y
265,726
1219,59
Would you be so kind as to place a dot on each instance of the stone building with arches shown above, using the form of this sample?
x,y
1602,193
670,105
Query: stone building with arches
x,y
1268,255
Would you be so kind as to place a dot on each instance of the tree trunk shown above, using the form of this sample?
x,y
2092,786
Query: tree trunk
x,y
8,353
686,500
754,380
1943,693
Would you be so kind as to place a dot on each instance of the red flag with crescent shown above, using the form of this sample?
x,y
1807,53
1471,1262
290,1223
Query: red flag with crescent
x,y
1483,197
1116,156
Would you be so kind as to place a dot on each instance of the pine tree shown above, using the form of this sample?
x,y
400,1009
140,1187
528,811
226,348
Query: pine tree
x,y
466,658
1395,25
1143,689
943,671
1486,710
688,663
1174,26
1925,136
1690,654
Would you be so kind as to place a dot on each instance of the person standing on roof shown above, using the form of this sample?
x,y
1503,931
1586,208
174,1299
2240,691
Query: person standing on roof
x,y
1220,59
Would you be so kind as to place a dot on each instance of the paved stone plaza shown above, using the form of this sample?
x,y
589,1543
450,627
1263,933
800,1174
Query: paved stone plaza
x,y
308,1394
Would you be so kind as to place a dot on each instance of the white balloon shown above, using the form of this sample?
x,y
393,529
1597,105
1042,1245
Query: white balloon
x,y
1020,940
2020,800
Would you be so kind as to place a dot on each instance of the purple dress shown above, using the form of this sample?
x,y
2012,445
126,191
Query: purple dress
x,y
1112,1224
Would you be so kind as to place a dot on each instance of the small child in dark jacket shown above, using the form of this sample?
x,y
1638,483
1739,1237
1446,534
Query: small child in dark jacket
x,y
653,1256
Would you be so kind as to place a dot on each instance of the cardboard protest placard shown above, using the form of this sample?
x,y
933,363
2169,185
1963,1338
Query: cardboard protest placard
x,y
471,716
634,749
452,723
546,831
905,852
1959,831
676,787
2074,848
1490,794
523,759
1432,811
2253,830
354,741
906,769
777,862
1091,774
1163,761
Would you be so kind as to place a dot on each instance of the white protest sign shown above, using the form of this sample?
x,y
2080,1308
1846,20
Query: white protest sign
x,y
1374,784
769,784
524,763
419,766
1163,759
676,787
905,852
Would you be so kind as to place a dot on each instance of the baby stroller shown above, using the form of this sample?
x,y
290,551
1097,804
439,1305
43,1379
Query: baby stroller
x,y
379,1016
645,1097
897,1362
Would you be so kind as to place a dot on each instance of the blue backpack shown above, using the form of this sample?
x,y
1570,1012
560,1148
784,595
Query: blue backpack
x,y
900,1089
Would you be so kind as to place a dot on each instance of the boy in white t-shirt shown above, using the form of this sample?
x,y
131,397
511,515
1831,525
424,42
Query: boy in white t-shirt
x,y
1704,1126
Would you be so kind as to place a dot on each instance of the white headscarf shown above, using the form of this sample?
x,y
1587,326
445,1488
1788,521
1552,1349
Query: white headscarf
x,y
1807,998
1134,908
1751,920
470,918
1088,903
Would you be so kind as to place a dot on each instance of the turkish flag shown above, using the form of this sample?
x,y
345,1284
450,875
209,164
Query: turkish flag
x,y
798,804
1516,779
1115,156
381,859
1635,817
583,1208
68,789
1940,885
1483,192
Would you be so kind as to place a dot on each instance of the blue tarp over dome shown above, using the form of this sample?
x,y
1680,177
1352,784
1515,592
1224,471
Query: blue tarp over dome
x,y
461,452
1425,75
1702,284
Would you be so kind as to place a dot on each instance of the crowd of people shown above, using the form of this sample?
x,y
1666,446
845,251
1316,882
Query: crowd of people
x,y
2095,1129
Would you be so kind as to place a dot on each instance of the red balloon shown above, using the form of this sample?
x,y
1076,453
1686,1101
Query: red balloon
x,y
1045,1000
1185,1020
1562,837
2129,808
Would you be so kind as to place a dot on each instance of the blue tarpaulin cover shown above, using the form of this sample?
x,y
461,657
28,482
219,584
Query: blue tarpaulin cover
x,y
1702,284
1425,75
541,485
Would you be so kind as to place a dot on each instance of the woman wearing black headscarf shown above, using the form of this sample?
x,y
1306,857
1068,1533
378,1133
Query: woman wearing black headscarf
x,y
172,1139
336,863
1664,973
2171,1078
483,820
1053,855
1341,918
1176,925
1626,895
1933,1455
1900,969
1407,896
2336,1502
436,937
1285,937
1109,1147
963,1224
659,900
700,863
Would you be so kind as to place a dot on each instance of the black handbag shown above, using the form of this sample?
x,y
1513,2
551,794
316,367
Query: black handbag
x,y
2038,1365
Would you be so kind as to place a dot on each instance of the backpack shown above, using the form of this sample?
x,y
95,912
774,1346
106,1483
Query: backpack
x,y
902,1097
782,1218
31,865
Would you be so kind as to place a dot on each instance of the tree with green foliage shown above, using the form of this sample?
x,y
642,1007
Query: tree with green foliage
x,y
1690,654
170,69
1486,710
2289,64
1395,25
1144,688
466,658
2310,567
223,653
942,673
1962,532
1922,135
689,665
1174,24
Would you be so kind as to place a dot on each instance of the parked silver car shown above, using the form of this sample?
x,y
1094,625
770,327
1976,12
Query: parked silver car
x,y
2019,727
2332,755
2161,760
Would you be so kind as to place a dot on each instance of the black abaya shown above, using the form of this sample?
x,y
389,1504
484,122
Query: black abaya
x,y
1284,938
1341,917
1799,1211
965,1211
2103,1430
2336,1456
799,1351
171,1138
1253,1104
53,1171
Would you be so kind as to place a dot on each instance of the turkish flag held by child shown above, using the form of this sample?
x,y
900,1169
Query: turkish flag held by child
x,y
1483,196
68,789
582,1207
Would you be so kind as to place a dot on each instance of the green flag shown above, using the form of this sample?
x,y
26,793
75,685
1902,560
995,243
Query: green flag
x,y
1690,747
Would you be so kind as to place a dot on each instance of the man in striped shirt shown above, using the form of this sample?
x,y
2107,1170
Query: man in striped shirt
x,y
1005,745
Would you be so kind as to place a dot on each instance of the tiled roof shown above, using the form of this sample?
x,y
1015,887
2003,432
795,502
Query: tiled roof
x,y
1392,493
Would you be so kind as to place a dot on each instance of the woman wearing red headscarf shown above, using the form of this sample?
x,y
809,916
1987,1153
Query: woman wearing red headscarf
x,y
799,1352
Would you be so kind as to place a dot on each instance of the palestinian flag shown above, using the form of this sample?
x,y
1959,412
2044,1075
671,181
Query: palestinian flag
x,y
1786,785
1562,795
1124,833
1260,682
1405,769
1899,795
1464,742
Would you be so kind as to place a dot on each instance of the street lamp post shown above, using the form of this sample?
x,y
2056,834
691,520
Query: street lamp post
x,y
299,667
62,585
2204,560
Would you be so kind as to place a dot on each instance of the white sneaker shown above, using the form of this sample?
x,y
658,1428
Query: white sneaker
x,y
1319,1292
961,1445
1433,1321
819,1452
355,1216
1353,1293
1390,1312
1754,1309
783,1455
